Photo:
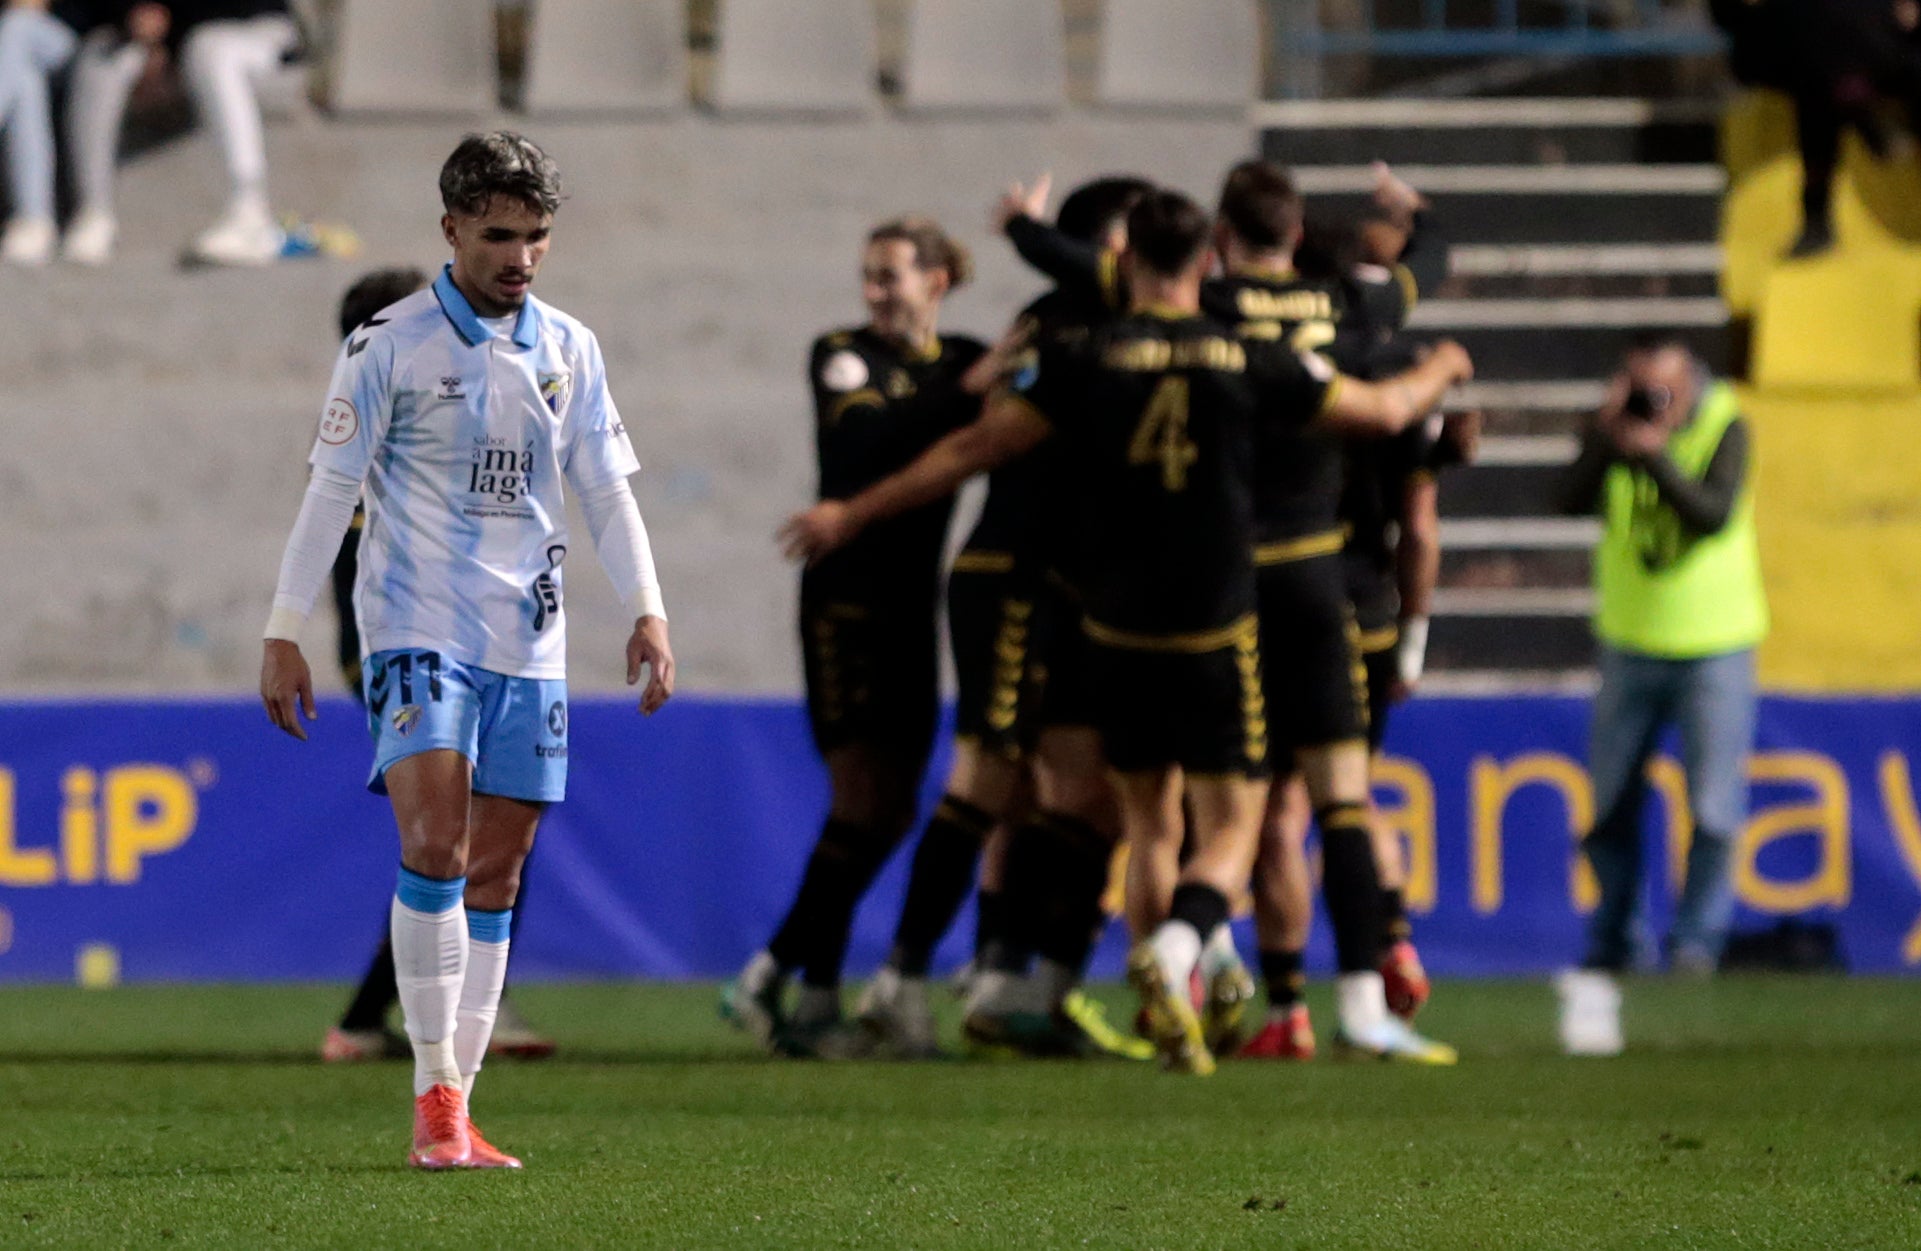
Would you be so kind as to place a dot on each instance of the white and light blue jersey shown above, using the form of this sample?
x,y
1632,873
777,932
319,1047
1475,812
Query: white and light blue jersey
x,y
462,437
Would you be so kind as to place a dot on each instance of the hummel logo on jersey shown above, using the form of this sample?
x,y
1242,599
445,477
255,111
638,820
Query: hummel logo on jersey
x,y
355,349
450,388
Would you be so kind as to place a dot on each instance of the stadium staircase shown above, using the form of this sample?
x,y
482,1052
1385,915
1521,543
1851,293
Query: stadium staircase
x,y
1576,224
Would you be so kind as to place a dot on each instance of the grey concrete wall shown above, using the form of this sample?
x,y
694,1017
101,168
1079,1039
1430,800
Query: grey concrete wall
x,y
154,423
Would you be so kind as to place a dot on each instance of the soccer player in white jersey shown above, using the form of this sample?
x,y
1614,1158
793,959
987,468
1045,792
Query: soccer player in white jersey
x,y
460,409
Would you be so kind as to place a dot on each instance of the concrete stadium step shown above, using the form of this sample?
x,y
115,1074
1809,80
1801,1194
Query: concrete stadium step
x,y
1497,682
1497,490
1542,533
1550,396
1515,132
1483,569
1523,340
1512,641
1583,271
1511,286
1527,449
1527,410
1628,216
1577,226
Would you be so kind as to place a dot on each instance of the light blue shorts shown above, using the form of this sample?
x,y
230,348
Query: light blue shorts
x,y
514,730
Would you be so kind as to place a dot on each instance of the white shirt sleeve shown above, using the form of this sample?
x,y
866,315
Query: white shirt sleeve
x,y
359,408
353,423
598,450
620,540
312,548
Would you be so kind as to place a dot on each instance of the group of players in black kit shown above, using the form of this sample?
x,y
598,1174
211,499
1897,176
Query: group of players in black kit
x,y
1202,563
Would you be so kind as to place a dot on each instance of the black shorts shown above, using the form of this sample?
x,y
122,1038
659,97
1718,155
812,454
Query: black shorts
x,y
1200,709
873,673
996,620
1019,654
1066,658
1310,654
1379,657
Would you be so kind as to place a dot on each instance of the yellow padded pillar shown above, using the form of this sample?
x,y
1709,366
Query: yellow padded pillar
x,y
1848,321
1838,506
1876,204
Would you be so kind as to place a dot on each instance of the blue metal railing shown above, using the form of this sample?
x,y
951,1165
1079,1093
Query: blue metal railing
x,y
1582,28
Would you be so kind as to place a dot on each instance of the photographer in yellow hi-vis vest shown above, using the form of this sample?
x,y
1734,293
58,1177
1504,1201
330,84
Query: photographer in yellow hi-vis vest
x,y
1680,612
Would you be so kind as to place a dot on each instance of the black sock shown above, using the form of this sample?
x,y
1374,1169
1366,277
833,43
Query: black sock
x,y
377,993
1281,970
1394,922
1026,886
813,937
942,875
987,924
1200,906
1351,885
1079,856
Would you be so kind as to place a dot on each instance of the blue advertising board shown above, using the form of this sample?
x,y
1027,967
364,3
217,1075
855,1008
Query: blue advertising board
x,y
185,840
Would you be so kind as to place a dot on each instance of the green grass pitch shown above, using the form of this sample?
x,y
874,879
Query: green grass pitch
x,y
1751,1112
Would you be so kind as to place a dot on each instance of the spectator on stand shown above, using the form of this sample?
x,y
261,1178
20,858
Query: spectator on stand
x,y
1843,62
37,41
226,48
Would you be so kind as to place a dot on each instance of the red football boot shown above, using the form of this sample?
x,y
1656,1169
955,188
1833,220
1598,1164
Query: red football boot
x,y
1407,984
1288,1037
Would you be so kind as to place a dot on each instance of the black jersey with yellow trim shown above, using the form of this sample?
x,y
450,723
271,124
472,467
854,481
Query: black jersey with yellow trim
x,y
1374,492
1029,506
1298,470
877,406
1157,415
1378,473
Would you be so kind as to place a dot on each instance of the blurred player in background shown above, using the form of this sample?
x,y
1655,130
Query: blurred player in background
x,y
1310,646
462,409
362,1032
1023,701
883,392
1308,639
1158,413
1347,290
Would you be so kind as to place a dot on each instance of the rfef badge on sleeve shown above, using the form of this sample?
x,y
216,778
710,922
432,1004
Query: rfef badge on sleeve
x,y
339,422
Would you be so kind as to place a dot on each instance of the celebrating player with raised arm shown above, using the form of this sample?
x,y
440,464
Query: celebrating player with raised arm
x,y
461,409
1159,412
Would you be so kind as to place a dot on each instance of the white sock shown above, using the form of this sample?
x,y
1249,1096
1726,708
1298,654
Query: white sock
x,y
761,971
429,928
1362,1000
1219,954
990,993
1177,945
480,991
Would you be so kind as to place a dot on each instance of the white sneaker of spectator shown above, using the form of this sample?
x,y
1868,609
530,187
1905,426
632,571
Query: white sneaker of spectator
x,y
28,241
89,239
1590,1013
245,235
